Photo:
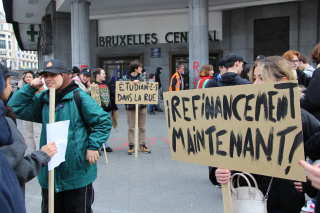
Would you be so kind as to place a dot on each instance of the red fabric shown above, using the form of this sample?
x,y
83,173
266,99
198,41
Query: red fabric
x,y
202,81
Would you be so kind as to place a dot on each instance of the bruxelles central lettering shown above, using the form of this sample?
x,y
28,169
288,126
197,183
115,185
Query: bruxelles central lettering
x,y
149,38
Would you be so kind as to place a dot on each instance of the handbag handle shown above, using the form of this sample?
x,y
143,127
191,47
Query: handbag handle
x,y
252,178
251,192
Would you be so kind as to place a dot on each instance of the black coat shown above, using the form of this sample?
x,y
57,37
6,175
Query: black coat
x,y
311,100
303,79
157,75
231,79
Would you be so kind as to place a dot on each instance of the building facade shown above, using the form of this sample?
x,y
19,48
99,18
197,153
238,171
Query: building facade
x,y
87,33
10,53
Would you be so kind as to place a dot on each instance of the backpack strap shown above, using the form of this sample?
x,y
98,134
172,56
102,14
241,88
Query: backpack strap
x,y
204,83
77,99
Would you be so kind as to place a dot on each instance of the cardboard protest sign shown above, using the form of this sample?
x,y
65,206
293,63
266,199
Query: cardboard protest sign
x,y
143,93
251,128
95,93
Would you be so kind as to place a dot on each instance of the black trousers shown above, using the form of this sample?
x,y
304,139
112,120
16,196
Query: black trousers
x,y
77,200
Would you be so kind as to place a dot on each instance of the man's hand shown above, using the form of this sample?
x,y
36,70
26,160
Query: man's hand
x,y
50,149
36,83
314,173
92,156
135,82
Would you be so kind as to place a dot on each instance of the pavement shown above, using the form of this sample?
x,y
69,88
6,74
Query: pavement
x,y
149,183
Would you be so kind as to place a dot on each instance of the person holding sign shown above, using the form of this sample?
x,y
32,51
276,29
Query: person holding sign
x,y
73,177
107,96
134,74
284,195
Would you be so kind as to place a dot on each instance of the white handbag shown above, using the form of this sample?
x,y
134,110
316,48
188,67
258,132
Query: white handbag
x,y
248,199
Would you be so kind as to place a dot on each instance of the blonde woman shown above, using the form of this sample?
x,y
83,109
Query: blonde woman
x,y
285,196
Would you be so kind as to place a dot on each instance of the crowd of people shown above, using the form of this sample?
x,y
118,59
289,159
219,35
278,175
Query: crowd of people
x,y
90,127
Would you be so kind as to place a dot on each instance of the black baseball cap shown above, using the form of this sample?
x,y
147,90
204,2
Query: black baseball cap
x,y
222,62
260,57
234,57
75,69
86,71
55,66
6,72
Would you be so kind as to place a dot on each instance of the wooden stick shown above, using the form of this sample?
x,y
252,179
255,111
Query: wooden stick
x,y
105,153
226,195
51,173
136,132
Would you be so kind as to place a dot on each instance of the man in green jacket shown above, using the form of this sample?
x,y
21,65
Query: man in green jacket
x,y
73,178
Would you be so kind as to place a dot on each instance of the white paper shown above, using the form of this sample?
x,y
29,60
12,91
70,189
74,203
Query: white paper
x,y
58,132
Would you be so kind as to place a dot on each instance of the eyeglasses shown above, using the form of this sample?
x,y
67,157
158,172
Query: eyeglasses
x,y
294,61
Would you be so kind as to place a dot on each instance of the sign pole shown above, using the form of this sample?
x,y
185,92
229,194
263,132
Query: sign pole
x,y
105,153
136,132
51,173
226,195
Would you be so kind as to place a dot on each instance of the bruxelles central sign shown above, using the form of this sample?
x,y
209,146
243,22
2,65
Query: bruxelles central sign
x,y
148,38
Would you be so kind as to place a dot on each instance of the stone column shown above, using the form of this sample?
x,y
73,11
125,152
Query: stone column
x,y
198,39
80,43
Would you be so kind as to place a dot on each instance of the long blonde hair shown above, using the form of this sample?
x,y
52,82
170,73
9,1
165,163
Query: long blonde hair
x,y
273,68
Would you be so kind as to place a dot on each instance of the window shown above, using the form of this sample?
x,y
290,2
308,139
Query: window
x,y
2,36
2,44
9,45
10,54
27,57
22,56
9,37
1,26
2,53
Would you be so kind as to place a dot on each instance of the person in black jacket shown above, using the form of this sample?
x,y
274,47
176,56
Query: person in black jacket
x,y
234,63
311,100
285,196
107,96
157,75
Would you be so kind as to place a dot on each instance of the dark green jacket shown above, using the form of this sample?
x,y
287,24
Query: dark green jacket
x,y
76,171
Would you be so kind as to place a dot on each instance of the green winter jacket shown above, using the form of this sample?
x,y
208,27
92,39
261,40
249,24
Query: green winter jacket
x,y
76,171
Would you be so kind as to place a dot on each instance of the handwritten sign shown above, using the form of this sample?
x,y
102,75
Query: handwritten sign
x,y
142,93
251,128
95,93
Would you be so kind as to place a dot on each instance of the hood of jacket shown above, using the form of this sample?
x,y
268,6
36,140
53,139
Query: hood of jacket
x,y
231,78
158,70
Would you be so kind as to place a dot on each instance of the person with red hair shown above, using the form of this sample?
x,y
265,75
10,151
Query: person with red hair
x,y
293,57
205,75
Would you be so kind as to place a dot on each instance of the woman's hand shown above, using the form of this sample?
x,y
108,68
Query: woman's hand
x,y
223,175
50,149
135,82
298,186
